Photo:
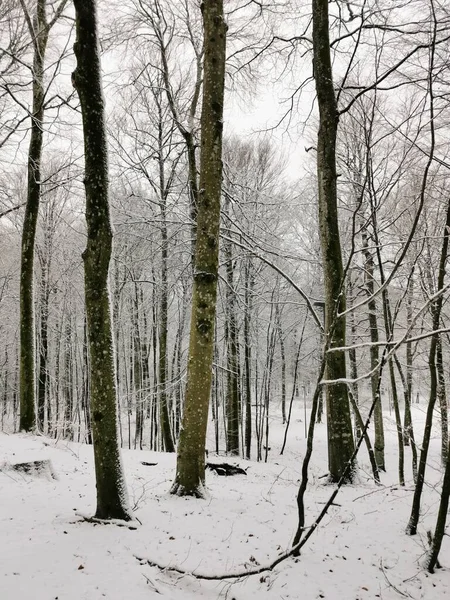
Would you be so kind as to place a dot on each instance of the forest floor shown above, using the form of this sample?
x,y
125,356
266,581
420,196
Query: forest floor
x,y
360,551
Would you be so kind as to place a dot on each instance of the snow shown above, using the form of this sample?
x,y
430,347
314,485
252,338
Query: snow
x,y
359,552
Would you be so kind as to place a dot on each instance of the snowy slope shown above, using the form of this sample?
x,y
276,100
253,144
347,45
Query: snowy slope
x,y
360,551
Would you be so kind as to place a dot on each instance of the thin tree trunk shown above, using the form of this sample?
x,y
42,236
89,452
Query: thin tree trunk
x,y
409,363
389,329
442,398
436,308
369,281
248,360
43,345
406,395
441,519
39,32
283,364
166,433
353,364
85,397
68,396
232,397
137,373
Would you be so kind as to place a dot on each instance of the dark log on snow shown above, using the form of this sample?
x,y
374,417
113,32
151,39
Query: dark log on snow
x,y
225,469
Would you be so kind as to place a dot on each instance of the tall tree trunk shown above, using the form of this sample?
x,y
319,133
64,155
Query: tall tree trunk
x,y
354,391
85,396
283,363
43,345
112,501
39,32
232,389
155,366
410,428
340,435
166,433
436,308
248,359
443,404
409,363
137,373
389,329
190,475
442,518
374,351
68,387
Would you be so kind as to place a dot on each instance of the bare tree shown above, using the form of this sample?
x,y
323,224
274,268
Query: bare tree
x,y
190,475
340,436
112,501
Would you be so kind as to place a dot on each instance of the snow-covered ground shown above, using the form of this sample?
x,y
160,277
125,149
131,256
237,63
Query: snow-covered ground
x,y
360,551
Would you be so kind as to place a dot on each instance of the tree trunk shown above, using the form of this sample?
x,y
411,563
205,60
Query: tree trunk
x,y
43,330
409,364
137,373
190,475
27,333
248,359
68,387
374,351
112,501
166,433
443,404
354,391
340,435
232,389
406,395
436,308
283,363
442,518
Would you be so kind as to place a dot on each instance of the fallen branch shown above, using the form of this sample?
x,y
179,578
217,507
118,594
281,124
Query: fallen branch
x,y
225,469
390,584
237,574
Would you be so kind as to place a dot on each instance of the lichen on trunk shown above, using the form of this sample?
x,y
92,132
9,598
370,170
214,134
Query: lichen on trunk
x,y
190,474
112,501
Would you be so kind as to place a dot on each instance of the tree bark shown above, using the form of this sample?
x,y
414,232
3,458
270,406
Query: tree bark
x,y
436,309
432,560
340,435
190,475
166,433
443,404
27,332
112,501
248,358
232,389
43,343
374,351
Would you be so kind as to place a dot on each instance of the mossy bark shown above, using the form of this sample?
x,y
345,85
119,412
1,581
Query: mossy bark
x,y
112,499
340,436
190,474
